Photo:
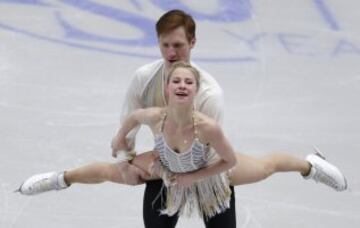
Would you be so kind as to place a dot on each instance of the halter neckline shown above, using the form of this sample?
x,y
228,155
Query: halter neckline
x,y
195,139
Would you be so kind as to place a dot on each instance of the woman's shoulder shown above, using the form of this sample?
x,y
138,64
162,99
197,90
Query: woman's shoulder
x,y
151,115
208,129
155,112
206,125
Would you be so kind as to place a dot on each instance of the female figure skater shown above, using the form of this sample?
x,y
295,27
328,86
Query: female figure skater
x,y
191,155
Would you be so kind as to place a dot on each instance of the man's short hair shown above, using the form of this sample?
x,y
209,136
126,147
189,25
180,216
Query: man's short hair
x,y
172,20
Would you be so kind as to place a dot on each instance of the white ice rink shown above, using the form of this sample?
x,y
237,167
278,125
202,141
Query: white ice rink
x,y
291,75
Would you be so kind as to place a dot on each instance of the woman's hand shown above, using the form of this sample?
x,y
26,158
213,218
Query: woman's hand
x,y
118,144
183,179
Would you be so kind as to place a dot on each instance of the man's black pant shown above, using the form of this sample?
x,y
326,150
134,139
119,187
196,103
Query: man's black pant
x,y
153,219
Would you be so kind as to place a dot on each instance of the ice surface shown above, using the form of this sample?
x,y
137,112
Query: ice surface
x,y
291,75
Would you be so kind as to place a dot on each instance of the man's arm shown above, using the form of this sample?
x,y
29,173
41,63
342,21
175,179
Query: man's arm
x,y
213,106
133,98
131,103
138,117
210,99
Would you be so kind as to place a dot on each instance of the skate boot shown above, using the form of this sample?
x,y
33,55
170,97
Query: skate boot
x,y
42,183
324,172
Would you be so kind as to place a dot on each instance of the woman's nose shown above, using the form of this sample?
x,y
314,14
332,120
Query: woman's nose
x,y
182,85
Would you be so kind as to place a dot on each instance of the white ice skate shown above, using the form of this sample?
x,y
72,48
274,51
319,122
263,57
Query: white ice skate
x,y
42,183
324,172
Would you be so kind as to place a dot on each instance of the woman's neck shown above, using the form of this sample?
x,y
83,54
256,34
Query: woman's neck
x,y
181,116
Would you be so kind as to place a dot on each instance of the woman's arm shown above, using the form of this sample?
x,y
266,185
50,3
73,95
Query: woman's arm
x,y
221,145
136,118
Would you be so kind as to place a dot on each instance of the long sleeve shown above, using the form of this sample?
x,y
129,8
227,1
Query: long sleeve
x,y
134,97
132,102
210,97
213,106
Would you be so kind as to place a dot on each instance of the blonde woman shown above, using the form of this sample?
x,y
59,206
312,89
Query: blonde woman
x,y
191,155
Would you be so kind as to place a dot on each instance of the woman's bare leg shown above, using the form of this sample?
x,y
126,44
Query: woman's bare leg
x,y
250,169
122,172
144,161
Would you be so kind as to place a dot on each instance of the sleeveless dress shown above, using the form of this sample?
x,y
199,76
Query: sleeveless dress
x,y
208,196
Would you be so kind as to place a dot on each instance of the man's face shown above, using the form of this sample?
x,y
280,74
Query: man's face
x,y
174,46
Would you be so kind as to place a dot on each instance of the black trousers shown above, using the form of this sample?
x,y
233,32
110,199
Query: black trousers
x,y
153,219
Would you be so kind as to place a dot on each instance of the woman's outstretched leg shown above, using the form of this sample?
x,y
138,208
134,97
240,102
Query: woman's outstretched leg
x,y
250,169
98,172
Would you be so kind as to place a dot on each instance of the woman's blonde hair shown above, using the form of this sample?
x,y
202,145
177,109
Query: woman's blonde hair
x,y
182,64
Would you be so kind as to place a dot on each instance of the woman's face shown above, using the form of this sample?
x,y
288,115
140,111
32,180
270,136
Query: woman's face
x,y
182,86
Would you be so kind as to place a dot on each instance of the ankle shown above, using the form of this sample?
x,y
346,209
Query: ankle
x,y
65,179
307,170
